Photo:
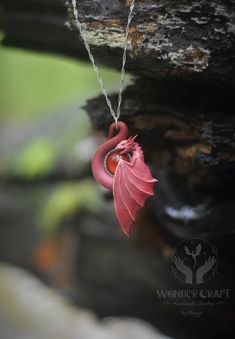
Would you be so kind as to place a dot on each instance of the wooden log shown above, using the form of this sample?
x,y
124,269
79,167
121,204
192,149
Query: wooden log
x,y
191,40
186,39
189,140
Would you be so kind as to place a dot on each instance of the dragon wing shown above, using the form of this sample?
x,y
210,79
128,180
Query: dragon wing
x,y
132,185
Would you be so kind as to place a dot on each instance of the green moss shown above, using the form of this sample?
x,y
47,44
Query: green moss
x,y
37,159
65,200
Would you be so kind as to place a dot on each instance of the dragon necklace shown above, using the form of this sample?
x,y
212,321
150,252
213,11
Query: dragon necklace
x,y
118,164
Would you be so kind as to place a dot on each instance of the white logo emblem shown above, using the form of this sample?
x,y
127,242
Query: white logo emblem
x,y
194,261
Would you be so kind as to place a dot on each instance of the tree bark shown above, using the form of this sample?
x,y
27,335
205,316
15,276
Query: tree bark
x,y
193,40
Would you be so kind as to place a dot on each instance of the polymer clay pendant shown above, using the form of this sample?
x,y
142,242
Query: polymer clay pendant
x,y
118,164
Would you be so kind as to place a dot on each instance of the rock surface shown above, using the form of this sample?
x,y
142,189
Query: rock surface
x,y
184,39
31,310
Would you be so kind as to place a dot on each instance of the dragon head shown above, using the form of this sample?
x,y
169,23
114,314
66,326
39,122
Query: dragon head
x,y
126,146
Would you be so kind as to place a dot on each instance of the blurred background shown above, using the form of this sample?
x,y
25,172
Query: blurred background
x,y
50,205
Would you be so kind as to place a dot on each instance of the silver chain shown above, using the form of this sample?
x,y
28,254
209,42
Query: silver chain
x,y
96,69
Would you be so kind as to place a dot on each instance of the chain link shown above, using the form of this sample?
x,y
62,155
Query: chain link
x,y
96,69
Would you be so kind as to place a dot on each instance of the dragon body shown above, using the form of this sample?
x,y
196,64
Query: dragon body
x,y
118,164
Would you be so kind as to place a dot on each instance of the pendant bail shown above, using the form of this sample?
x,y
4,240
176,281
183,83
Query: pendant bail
x,y
116,122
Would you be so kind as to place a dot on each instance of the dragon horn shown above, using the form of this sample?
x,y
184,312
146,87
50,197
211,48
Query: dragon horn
x,y
134,137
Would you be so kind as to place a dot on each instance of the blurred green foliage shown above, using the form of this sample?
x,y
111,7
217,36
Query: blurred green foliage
x,y
32,86
66,199
33,83
38,136
35,160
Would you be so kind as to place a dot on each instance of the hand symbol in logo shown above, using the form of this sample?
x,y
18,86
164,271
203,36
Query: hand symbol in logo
x,y
194,261
184,269
205,268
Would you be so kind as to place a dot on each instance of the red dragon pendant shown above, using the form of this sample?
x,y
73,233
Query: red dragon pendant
x,y
118,164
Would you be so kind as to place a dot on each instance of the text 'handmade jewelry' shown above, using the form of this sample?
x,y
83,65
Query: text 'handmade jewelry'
x,y
118,164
